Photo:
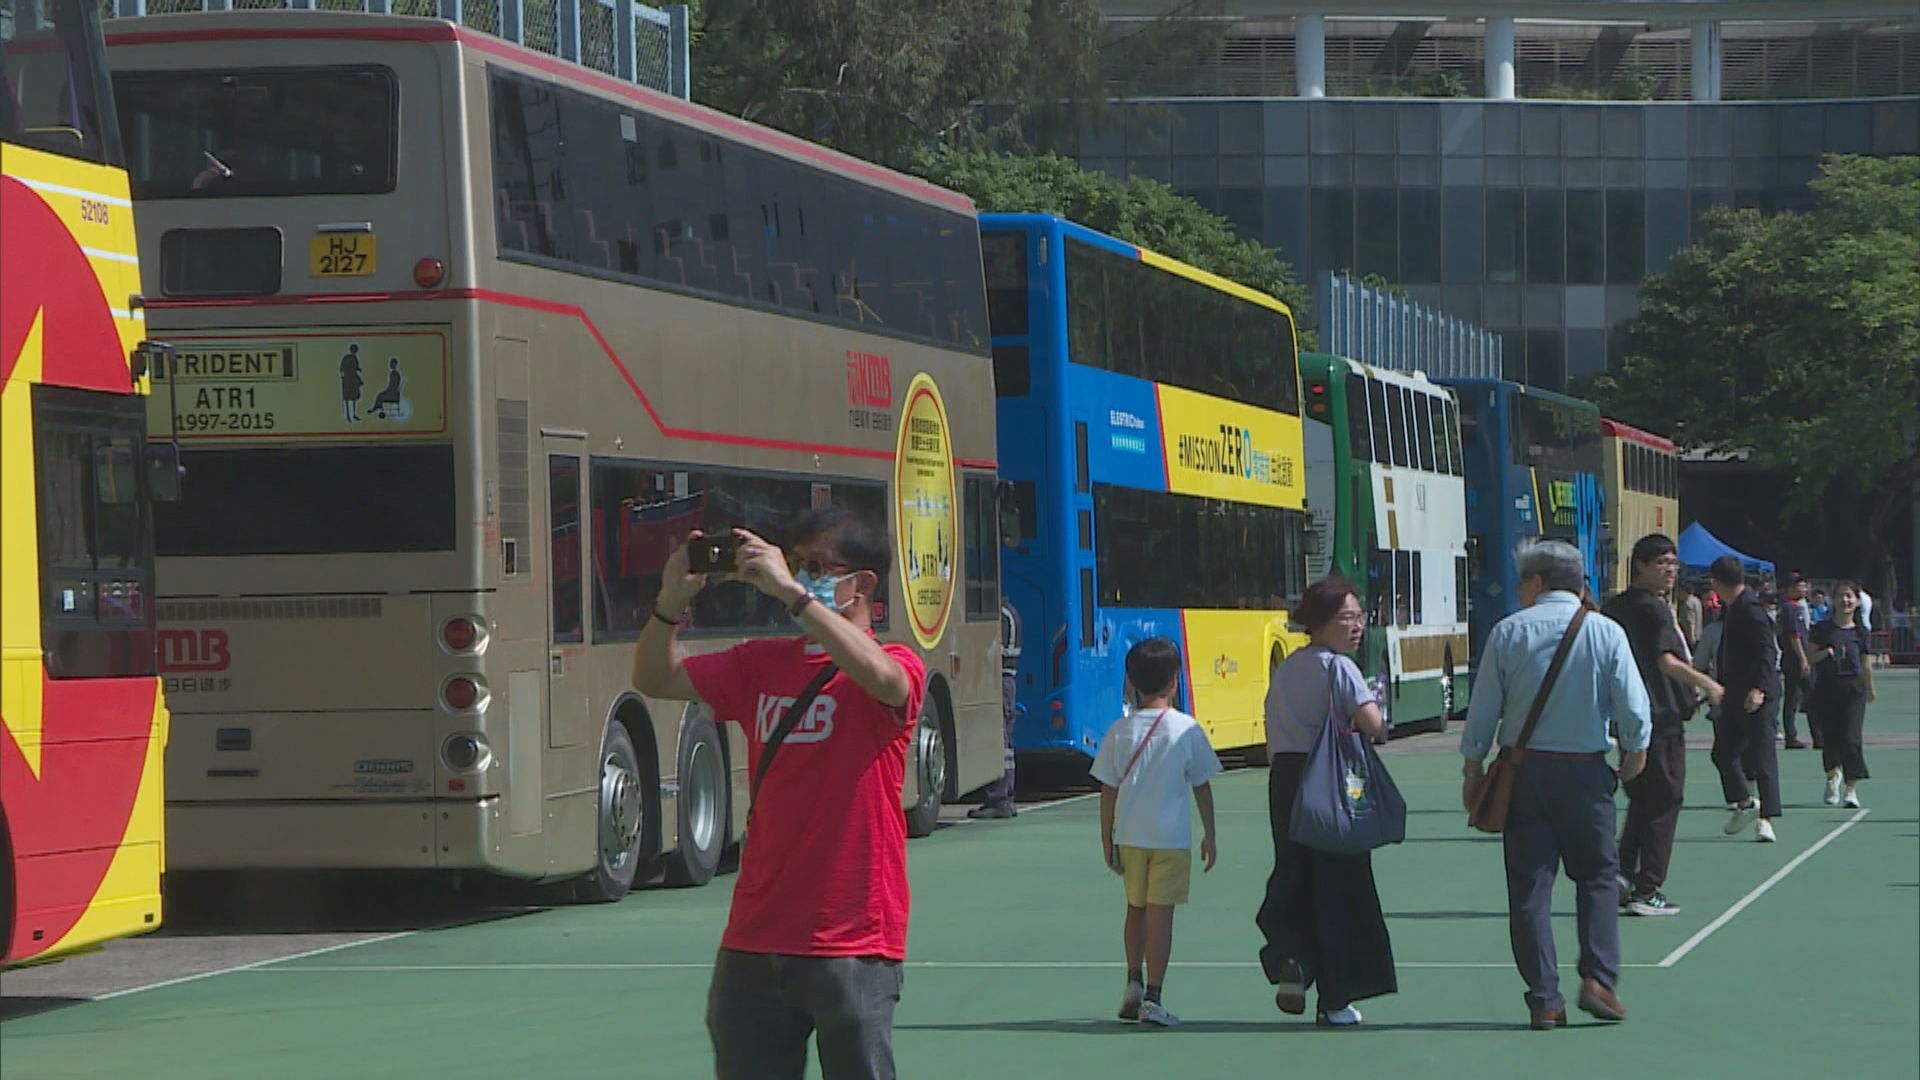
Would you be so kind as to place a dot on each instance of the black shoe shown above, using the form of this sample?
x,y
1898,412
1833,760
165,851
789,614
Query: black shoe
x,y
1796,744
990,812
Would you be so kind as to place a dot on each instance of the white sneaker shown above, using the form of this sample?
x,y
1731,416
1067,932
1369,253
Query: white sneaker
x,y
1833,791
1347,1017
1763,832
1130,1003
1743,816
1852,800
1152,1012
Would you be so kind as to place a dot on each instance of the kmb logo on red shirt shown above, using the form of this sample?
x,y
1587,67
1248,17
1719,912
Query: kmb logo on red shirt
x,y
814,727
194,650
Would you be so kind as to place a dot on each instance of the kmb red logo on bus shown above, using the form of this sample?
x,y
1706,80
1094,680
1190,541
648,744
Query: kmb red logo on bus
x,y
869,380
194,650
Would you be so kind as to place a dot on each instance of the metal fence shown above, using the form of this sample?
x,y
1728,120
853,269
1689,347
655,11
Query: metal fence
x,y
1375,327
631,41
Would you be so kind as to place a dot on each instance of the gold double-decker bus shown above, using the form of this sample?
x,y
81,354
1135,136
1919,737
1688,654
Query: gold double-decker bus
x,y
82,724
467,338
1641,472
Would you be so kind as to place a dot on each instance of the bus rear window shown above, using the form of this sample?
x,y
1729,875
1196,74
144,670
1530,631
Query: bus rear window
x,y
350,500
312,131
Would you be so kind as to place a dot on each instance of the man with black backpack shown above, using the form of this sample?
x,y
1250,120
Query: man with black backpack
x,y
818,929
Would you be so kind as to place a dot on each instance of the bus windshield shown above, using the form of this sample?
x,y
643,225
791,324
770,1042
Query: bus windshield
x,y
313,131
53,80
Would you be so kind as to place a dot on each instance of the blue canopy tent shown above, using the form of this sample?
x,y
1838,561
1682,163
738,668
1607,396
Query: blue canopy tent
x,y
1698,549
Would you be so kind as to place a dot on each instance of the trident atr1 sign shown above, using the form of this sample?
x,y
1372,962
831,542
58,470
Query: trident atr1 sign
x,y
346,382
928,529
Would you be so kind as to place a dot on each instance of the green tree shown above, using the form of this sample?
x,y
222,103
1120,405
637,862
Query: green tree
x,y
883,79
1795,339
1139,211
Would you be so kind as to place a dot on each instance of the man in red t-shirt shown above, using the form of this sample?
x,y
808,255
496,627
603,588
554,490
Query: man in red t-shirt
x,y
818,930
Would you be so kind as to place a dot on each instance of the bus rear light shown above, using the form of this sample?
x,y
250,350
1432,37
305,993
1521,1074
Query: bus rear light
x,y
429,272
464,693
463,635
465,752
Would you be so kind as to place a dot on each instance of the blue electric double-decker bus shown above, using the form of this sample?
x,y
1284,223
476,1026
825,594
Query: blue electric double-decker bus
x,y
1150,432
1533,469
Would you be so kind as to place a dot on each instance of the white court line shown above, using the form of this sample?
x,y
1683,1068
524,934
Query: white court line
x,y
986,965
1760,890
256,965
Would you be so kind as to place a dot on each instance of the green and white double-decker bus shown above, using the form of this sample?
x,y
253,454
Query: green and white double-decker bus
x,y
1386,488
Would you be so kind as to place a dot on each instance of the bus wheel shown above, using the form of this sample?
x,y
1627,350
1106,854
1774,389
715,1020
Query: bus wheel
x,y
930,764
701,810
621,815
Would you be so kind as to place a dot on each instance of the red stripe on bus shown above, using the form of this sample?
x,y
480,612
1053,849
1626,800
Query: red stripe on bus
x,y
653,99
551,307
1633,434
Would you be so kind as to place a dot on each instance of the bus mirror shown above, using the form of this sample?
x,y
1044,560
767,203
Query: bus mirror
x,y
164,472
114,478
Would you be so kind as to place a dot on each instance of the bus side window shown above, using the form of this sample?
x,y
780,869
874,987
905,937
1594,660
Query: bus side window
x,y
1420,426
1377,409
1359,440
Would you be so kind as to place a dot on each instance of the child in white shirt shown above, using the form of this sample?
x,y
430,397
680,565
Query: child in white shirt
x,y
1147,763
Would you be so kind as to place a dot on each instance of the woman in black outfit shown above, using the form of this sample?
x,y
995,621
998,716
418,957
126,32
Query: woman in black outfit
x,y
1839,652
1322,917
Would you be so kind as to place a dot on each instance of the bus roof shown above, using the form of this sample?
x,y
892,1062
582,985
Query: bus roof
x,y
1618,430
1417,379
272,25
1481,382
1000,222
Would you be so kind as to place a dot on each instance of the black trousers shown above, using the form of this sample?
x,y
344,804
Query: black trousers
x,y
1839,712
1562,813
1793,694
1743,747
1322,911
1000,792
1654,799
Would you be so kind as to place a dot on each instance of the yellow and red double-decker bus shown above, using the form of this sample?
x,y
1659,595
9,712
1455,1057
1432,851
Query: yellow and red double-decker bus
x,y
80,708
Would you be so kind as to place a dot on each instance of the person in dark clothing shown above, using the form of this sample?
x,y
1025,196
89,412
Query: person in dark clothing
x,y
1792,623
1749,669
1841,693
1673,688
998,800
1321,918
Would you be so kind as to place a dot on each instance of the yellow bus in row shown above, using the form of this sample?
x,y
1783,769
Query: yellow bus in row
x,y
82,725
1642,476
467,338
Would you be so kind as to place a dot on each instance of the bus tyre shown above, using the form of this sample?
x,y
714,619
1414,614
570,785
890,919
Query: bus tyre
x,y
930,767
700,813
620,818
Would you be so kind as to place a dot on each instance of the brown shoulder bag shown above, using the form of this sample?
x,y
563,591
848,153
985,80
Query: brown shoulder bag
x,y
1489,796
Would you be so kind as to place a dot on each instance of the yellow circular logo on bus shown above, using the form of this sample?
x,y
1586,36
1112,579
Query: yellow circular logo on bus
x,y
928,531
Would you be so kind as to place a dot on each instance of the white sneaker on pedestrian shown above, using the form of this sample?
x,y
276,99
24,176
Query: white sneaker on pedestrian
x,y
1152,1012
1763,832
1853,799
1130,1003
1743,816
1347,1017
1833,791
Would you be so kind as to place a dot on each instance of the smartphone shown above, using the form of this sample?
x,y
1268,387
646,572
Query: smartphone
x,y
713,554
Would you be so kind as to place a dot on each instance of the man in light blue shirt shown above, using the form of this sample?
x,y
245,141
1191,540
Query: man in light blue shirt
x,y
1562,806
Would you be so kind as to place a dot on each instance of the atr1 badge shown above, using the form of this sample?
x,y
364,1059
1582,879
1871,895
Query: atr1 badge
x,y
923,486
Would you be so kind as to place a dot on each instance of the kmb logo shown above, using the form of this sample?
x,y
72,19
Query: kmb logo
x,y
194,650
869,380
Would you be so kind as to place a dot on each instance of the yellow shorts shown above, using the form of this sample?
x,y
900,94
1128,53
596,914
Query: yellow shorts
x,y
1155,876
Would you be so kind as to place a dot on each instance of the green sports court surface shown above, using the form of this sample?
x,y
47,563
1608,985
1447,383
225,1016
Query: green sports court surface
x,y
1799,959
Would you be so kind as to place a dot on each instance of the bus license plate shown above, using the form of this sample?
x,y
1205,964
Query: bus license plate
x,y
344,255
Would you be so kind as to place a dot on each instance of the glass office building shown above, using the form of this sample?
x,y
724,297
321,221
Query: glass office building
x,y
1534,218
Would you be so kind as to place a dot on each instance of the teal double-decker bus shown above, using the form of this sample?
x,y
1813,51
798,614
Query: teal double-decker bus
x,y
1386,486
